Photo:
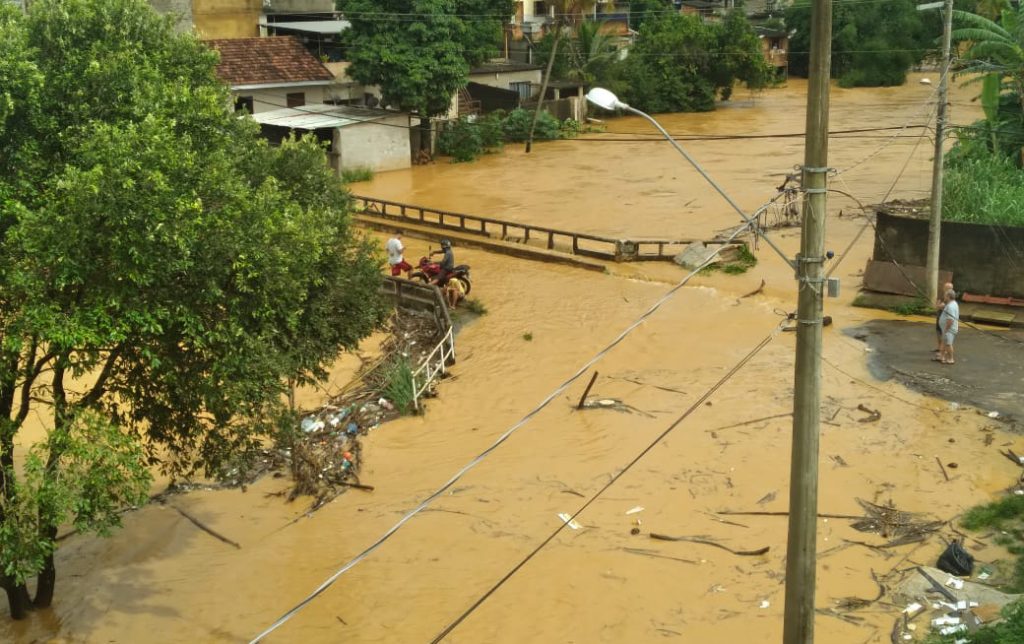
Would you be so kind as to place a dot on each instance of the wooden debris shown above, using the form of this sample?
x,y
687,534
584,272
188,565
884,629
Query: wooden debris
x,y
586,391
202,526
943,468
872,414
758,290
708,542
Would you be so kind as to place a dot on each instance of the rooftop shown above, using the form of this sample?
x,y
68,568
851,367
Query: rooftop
x,y
315,117
267,61
499,66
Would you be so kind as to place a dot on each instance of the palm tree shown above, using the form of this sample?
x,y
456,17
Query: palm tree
x,y
995,52
991,8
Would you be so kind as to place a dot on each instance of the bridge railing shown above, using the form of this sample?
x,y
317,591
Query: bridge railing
x,y
584,244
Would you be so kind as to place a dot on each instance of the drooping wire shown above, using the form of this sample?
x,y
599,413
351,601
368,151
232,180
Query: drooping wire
x,y
636,459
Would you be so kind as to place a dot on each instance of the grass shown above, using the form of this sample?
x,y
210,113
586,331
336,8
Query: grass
x,y
1007,517
745,260
917,306
398,388
354,175
474,306
983,190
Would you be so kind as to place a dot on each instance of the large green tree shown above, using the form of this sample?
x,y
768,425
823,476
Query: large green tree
x,y
163,272
419,52
873,43
681,63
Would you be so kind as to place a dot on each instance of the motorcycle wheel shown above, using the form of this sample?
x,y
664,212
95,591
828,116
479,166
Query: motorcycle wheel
x,y
419,275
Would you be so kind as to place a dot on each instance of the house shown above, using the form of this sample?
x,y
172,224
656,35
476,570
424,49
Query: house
x,y
356,137
268,74
774,45
314,22
214,18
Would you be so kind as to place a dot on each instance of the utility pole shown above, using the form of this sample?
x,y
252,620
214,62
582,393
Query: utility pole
x,y
801,549
935,222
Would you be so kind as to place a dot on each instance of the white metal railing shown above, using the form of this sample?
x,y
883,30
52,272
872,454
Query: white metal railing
x,y
436,363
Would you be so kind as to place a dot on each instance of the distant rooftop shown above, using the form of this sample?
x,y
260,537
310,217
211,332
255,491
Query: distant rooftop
x,y
267,61
315,117
503,65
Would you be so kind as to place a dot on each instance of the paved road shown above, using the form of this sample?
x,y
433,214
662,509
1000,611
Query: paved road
x,y
989,369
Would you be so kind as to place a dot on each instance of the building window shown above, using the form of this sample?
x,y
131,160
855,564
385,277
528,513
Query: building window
x,y
540,8
296,99
524,89
243,103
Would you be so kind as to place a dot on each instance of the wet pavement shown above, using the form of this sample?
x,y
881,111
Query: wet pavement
x,y
989,369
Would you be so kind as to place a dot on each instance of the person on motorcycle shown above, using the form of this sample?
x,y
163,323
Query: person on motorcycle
x,y
447,263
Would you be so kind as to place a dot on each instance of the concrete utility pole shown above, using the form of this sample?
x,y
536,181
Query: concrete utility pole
x,y
935,223
801,550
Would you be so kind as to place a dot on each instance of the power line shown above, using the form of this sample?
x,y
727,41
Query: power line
x,y
689,410
482,455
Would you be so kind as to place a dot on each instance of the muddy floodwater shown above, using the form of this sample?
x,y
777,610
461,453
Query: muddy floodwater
x,y
162,580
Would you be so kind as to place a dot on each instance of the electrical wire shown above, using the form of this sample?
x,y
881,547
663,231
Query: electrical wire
x,y
626,468
482,455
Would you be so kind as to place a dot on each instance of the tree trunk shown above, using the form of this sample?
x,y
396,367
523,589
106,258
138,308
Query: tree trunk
x,y
17,597
47,579
544,84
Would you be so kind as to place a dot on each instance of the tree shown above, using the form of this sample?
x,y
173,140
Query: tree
x,y
679,63
419,52
873,44
995,54
163,272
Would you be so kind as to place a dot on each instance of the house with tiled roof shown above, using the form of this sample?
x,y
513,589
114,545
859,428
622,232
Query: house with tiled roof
x,y
268,74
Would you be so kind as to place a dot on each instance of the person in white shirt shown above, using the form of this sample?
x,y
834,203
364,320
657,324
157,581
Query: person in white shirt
x,y
396,257
950,323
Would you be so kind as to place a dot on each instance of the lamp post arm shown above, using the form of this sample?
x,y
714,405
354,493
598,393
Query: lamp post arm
x,y
735,206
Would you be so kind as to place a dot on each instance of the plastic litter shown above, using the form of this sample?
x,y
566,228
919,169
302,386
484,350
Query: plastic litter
x,y
945,621
949,630
993,414
635,509
953,582
569,521
765,603
913,609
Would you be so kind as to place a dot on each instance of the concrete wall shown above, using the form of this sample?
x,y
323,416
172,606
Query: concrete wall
x,y
267,100
227,18
985,260
180,8
505,79
379,145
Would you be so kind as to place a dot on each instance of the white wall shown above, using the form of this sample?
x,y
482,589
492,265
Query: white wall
x,y
379,145
266,100
504,79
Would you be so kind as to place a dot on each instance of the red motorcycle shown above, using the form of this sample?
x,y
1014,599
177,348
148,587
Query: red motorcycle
x,y
428,271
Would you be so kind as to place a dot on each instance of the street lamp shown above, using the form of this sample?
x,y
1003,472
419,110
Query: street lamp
x,y
605,99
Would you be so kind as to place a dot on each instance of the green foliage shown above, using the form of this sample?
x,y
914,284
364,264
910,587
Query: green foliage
x,y
680,63
462,140
474,306
355,175
916,306
102,472
517,126
398,386
570,129
492,130
420,51
982,187
1005,515
873,43
641,11
165,268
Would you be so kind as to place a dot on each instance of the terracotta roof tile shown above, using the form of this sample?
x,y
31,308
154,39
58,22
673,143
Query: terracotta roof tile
x,y
256,61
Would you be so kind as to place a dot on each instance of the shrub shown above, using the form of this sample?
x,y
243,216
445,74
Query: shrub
x,y
571,128
460,140
517,126
354,175
983,188
398,387
492,130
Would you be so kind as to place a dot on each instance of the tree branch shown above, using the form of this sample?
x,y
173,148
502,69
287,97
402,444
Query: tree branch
x,y
99,388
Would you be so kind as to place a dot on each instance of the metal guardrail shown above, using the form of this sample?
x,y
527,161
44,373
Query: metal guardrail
x,y
426,296
583,244
434,365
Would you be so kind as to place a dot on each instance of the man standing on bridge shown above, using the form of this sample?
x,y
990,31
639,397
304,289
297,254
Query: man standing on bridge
x,y
396,257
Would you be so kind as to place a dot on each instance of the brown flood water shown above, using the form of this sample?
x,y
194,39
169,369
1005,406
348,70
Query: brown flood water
x,y
161,580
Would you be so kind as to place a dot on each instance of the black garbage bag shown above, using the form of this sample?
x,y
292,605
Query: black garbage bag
x,y
956,561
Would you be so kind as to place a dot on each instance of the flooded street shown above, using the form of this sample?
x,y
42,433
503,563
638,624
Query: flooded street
x,y
162,580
